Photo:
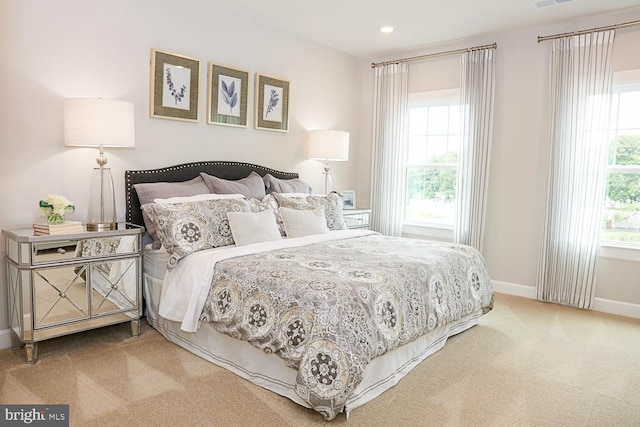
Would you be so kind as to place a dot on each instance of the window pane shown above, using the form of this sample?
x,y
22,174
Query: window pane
x,y
615,101
628,111
418,121
454,149
626,150
437,151
611,155
417,150
438,120
431,195
622,210
454,119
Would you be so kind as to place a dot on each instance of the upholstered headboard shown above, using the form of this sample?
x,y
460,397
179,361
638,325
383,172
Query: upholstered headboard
x,y
184,172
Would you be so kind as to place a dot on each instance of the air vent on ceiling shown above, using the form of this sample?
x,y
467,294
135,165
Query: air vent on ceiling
x,y
544,3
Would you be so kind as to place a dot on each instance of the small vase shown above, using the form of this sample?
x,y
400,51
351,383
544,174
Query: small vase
x,y
55,218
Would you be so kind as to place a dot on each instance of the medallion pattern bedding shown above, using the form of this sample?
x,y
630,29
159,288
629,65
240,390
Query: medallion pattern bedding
x,y
331,307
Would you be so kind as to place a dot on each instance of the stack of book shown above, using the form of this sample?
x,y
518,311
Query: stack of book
x,y
66,227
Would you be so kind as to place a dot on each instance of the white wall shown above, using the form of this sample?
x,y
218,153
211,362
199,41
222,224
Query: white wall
x,y
53,50
519,153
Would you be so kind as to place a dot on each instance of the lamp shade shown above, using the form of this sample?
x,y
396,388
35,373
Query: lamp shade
x,y
98,122
328,145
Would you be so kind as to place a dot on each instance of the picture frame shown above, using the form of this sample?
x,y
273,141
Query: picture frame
x,y
174,89
348,199
228,93
272,103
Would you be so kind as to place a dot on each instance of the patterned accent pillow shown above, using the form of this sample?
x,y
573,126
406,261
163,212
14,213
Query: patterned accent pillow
x,y
330,203
147,192
186,228
150,221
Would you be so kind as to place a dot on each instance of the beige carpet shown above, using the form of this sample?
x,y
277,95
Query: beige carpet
x,y
527,363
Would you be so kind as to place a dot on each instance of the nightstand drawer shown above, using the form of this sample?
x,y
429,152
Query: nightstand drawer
x,y
84,249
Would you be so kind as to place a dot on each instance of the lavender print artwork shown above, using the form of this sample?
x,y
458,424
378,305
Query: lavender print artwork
x,y
228,96
175,93
272,104
273,101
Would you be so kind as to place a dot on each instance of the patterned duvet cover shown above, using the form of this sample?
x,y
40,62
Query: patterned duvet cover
x,y
329,308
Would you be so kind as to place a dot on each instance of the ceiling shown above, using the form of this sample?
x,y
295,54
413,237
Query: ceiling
x,y
353,26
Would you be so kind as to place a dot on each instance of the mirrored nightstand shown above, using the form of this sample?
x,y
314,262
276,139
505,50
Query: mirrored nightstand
x,y
356,218
61,284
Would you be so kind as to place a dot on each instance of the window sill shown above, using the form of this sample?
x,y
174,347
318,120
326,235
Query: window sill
x,y
431,231
619,251
608,249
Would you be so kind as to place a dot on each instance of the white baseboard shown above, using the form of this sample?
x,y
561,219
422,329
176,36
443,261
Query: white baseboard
x,y
619,308
616,307
513,289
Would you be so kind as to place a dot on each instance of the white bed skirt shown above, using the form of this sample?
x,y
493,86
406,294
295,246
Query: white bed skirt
x,y
269,370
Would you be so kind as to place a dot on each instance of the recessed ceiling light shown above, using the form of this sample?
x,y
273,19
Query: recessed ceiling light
x,y
386,29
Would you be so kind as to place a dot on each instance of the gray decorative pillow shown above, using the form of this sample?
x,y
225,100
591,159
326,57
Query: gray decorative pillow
x,y
147,192
251,186
276,185
186,228
331,204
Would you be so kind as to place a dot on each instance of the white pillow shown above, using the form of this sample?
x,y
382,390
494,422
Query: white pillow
x,y
298,223
253,227
197,198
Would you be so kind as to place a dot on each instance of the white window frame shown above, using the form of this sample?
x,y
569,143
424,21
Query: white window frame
x,y
437,231
613,248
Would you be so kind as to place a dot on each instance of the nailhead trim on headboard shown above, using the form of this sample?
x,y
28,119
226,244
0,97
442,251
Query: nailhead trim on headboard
x,y
186,171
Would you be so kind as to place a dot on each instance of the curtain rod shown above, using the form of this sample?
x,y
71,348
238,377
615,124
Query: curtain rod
x,y
434,55
577,33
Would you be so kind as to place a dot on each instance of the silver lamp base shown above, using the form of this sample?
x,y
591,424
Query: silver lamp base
x,y
101,226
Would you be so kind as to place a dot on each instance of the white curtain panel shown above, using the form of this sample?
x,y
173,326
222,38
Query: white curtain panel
x,y
581,80
390,127
477,97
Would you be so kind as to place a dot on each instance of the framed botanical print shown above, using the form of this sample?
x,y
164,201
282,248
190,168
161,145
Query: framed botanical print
x,y
227,96
174,86
272,103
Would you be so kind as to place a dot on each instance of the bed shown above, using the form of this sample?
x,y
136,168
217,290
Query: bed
x,y
327,317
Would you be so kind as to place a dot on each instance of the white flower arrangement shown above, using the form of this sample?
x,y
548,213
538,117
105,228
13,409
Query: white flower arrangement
x,y
54,207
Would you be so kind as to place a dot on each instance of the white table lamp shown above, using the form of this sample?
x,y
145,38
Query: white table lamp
x,y
99,123
328,145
